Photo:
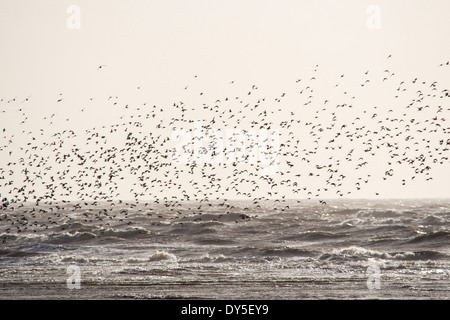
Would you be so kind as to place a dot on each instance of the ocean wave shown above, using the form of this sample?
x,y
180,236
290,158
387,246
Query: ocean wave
x,y
431,220
207,258
12,253
380,214
163,256
43,247
420,255
224,217
190,229
77,226
351,253
137,260
21,238
124,234
390,228
31,250
261,252
313,236
214,241
286,252
80,260
437,238
346,212
67,238
358,253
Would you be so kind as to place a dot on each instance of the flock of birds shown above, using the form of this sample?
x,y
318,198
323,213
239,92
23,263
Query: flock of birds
x,y
326,148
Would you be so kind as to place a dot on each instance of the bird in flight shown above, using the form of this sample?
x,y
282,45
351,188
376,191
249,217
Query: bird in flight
x,y
26,99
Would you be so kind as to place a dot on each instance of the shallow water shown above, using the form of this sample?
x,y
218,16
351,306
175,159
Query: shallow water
x,y
284,250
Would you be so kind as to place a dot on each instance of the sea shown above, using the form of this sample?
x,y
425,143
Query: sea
x,y
276,250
